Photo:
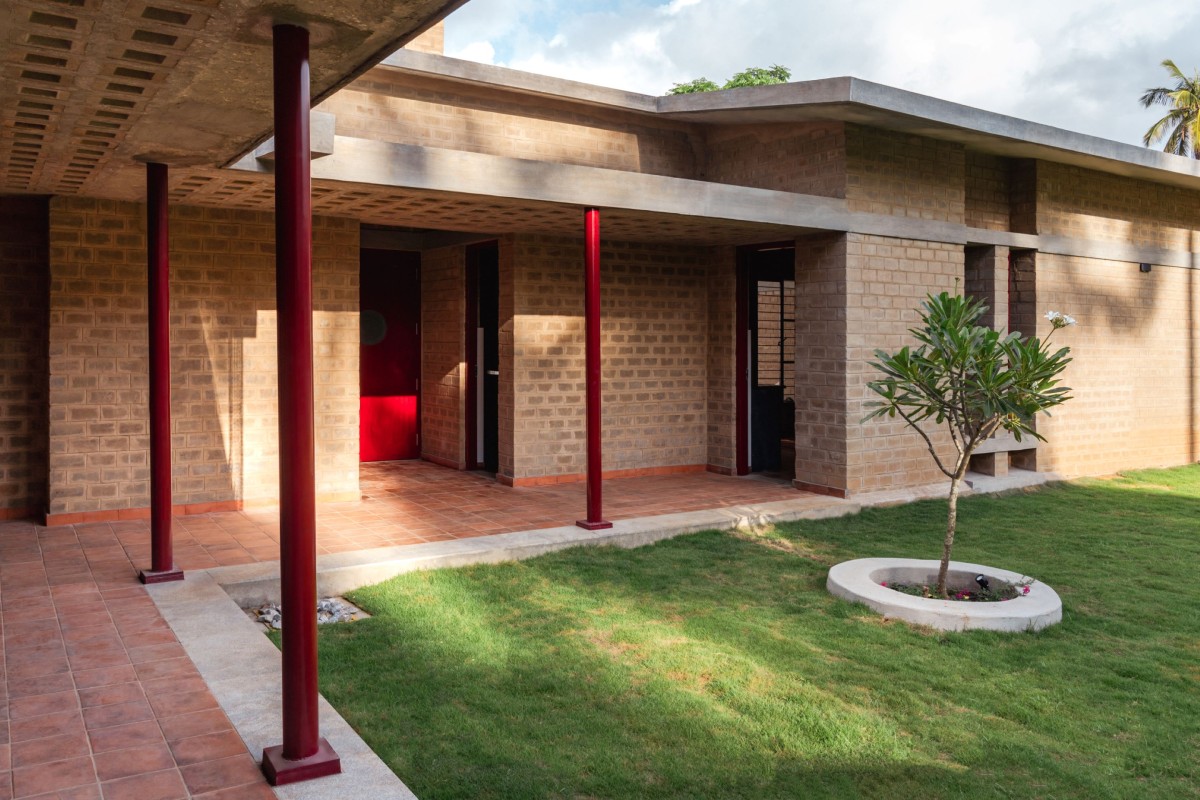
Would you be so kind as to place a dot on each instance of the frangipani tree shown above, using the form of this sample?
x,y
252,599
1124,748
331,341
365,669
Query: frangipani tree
x,y
972,380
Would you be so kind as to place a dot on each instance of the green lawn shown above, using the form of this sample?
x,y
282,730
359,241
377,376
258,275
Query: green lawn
x,y
716,665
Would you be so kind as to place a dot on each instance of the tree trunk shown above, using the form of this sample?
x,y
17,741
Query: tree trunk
x,y
951,523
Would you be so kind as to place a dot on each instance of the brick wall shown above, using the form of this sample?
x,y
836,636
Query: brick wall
x,y
986,278
1136,371
808,158
443,328
408,109
654,307
821,349
24,286
904,175
854,294
887,280
223,377
1084,204
988,187
431,41
722,361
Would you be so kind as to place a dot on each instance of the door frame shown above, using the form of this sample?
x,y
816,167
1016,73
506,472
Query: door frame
x,y
472,355
743,341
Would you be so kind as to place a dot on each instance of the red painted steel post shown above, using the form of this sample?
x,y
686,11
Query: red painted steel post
x,y
158,297
591,302
303,754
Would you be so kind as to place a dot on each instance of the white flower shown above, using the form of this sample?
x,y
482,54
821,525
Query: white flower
x,y
1059,320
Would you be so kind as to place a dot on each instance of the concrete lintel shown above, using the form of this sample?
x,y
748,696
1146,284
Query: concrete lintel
x,y
414,167
418,241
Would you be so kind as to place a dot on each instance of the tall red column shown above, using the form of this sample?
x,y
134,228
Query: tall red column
x,y
158,263
591,303
303,754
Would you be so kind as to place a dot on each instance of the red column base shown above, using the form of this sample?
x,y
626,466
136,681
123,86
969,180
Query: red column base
x,y
281,771
162,576
598,525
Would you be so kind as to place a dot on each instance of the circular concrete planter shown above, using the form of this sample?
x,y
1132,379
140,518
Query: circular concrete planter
x,y
859,581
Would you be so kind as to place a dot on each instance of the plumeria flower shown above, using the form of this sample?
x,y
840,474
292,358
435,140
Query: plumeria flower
x,y
1059,319
1025,590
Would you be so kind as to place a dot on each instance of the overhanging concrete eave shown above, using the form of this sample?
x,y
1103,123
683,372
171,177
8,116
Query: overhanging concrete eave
x,y
845,99
854,100
457,172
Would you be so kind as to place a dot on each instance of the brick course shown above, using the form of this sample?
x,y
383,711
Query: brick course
x,y
408,109
654,308
24,368
904,175
223,377
808,158
443,354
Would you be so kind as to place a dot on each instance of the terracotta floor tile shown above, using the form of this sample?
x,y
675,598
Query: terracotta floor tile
x,y
197,723
171,668
122,737
53,776
210,776
50,748
93,678
165,785
169,705
119,714
38,705
111,694
134,761
208,747
249,792
155,652
90,791
65,722
39,684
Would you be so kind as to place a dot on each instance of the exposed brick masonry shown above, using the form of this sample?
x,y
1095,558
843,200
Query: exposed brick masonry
x,y
407,109
904,175
808,158
443,327
655,305
224,417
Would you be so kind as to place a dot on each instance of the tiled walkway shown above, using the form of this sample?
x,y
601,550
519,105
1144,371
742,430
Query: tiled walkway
x,y
410,502
100,699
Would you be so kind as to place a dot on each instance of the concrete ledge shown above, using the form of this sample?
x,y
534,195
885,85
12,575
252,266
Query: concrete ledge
x,y
859,582
256,584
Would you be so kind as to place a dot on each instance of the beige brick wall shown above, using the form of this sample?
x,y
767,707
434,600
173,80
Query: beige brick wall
x,y
854,294
887,279
654,308
988,185
808,158
24,286
822,411
443,354
904,175
1084,204
986,278
722,361
1136,371
408,109
431,41
224,416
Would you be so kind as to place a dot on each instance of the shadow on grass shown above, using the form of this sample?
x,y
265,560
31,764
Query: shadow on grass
x,y
712,666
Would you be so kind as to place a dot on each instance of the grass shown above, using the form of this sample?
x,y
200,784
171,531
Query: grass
x,y
716,665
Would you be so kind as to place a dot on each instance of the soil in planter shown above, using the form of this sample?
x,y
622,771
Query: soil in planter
x,y
993,594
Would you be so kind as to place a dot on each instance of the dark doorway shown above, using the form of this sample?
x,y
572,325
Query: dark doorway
x,y
389,355
767,352
483,356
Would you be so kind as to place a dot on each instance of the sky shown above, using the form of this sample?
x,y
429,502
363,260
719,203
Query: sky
x,y
1074,64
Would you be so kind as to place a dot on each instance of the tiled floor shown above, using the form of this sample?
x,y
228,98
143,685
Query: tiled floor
x,y
102,702
409,502
100,699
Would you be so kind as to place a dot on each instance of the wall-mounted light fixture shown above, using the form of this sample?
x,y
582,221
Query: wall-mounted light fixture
x,y
1143,267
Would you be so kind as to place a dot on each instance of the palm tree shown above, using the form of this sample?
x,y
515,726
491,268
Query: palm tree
x,y
1181,125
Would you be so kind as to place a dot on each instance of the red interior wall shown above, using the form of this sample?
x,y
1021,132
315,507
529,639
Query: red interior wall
x,y
390,355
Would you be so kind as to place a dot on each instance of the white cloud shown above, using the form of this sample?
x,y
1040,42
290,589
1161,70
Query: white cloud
x,y
1078,64
482,52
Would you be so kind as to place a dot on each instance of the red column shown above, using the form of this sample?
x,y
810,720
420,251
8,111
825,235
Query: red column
x,y
303,754
591,302
158,263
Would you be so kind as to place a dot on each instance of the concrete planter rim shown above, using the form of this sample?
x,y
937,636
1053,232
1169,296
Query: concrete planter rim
x,y
859,581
